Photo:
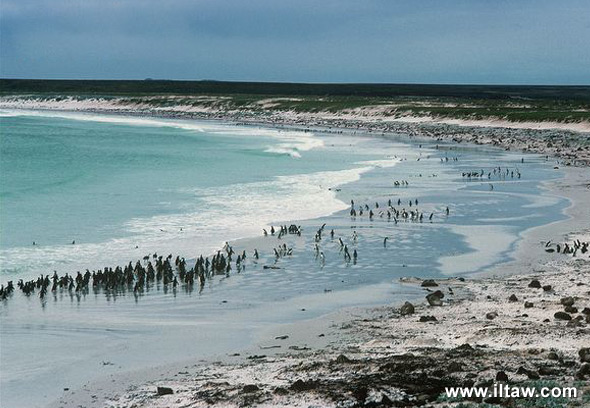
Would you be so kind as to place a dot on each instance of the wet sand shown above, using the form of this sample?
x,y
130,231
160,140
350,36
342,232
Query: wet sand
x,y
376,355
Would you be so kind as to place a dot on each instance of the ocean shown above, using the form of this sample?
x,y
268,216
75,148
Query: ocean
x,y
93,191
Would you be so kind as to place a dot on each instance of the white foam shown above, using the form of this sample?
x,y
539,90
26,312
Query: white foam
x,y
291,143
222,213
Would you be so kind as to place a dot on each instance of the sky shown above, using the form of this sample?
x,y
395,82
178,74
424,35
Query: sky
x,y
384,41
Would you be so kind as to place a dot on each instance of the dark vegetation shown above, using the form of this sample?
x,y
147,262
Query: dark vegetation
x,y
509,102
126,87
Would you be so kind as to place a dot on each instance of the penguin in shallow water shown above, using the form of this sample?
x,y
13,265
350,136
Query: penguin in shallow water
x,y
385,242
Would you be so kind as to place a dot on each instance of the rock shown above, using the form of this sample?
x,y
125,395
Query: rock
x,y
567,301
552,355
532,375
280,391
501,376
562,316
548,370
435,298
342,359
424,319
583,371
571,309
513,298
547,288
407,309
164,391
454,367
461,279
429,283
528,305
301,385
491,315
360,394
586,311
584,354
248,388
535,284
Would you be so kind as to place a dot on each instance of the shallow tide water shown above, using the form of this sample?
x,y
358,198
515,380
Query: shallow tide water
x,y
122,188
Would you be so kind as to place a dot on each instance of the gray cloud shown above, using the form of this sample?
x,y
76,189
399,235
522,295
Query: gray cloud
x,y
346,41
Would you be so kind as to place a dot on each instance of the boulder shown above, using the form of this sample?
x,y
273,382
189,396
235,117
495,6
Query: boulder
x,y
535,284
501,376
571,309
429,283
562,316
513,298
528,305
491,315
583,371
424,319
532,375
407,309
435,298
342,359
248,388
164,391
584,354
547,288
301,385
567,301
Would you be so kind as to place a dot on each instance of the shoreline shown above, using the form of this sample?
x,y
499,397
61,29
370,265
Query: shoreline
x,y
325,361
570,142
348,332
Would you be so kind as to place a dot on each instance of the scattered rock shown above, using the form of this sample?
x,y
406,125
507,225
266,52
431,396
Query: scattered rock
x,y
513,298
248,388
552,355
586,311
528,305
547,288
342,359
584,354
429,283
491,315
567,301
535,284
301,385
424,319
164,391
571,309
281,391
532,375
562,316
583,371
407,309
435,298
501,376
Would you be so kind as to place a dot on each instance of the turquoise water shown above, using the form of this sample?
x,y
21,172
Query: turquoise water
x,y
114,185
126,187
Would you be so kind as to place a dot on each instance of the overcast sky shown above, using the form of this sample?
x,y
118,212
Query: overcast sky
x,y
409,41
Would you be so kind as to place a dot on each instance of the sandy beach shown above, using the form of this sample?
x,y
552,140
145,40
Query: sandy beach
x,y
297,204
525,322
